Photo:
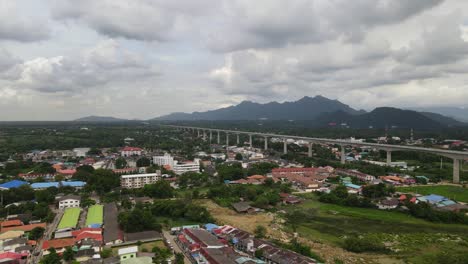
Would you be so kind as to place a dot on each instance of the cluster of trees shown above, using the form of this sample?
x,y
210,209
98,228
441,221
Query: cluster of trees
x,y
37,210
234,171
14,168
262,196
377,191
341,196
138,219
143,218
193,179
427,212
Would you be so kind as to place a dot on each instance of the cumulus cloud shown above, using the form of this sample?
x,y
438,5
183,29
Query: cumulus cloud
x,y
106,63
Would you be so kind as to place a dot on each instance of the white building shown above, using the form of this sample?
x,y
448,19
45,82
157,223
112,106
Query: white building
x,y
81,152
167,159
130,151
139,180
69,201
180,168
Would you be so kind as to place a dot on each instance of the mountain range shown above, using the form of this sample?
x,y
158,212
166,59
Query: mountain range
x,y
318,111
100,119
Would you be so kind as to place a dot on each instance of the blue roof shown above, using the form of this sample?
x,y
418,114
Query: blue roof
x,y
434,198
445,203
73,183
12,184
354,186
43,185
210,227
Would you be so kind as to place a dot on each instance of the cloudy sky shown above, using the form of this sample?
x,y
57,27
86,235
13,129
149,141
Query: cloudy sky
x,y
64,59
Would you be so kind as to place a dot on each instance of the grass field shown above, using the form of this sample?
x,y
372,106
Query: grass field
x,y
95,215
450,191
69,218
411,239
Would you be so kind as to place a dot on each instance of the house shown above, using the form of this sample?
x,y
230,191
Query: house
x,y
11,234
353,188
243,207
69,201
128,253
58,244
12,244
130,151
388,204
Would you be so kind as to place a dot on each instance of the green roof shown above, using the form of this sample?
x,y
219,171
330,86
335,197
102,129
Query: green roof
x,y
95,215
69,218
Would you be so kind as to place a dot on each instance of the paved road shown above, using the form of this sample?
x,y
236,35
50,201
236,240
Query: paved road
x,y
176,247
50,228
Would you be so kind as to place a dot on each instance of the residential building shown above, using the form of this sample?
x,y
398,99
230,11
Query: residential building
x,y
164,160
188,166
128,253
135,181
69,201
81,152
130,151
112,233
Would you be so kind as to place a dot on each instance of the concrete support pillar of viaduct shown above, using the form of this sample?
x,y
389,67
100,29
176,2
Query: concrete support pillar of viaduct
x,y
343,155
238,141
285,146
389,157
309,153
198,132
204,135
250,140
211,135
456,170
219,138
266,143
227,141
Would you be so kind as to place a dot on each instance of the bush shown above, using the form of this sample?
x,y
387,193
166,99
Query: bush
x,y
359,245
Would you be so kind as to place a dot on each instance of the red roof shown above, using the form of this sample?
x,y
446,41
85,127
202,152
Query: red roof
x,y
67,172
11,255
88,235
131,149
24,228
256,177
413,200
403,197
277,170
10,223
58,243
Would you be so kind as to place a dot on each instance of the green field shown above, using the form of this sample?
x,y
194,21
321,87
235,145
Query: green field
x,y
95,215
411,239
456,193
69,218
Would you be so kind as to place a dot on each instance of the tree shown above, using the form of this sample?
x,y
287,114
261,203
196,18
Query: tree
x,y
68,254
239,156
259,253
36,233
179,258
143,162
106,253
260,231
160,189
51,258
120,163
95,152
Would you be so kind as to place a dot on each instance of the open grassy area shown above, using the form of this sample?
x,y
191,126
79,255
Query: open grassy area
x,y
409,238
69,218
95,215
450,191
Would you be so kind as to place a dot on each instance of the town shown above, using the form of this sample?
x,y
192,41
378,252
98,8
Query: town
x,y
189,198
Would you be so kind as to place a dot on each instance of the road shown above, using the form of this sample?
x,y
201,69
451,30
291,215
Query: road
x,y
167,235
50,228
